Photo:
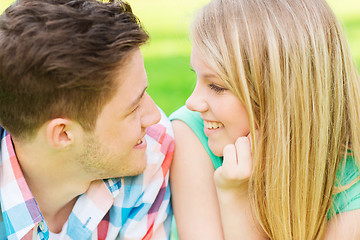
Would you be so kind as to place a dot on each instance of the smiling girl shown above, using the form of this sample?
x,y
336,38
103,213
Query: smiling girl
x,y
271,145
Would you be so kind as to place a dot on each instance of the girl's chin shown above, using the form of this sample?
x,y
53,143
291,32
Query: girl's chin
x,y
216,149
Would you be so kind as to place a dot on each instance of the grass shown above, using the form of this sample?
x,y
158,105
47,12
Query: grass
x,y
167,54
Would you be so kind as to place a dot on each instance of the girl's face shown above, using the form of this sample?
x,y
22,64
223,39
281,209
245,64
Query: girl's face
x,y
225,117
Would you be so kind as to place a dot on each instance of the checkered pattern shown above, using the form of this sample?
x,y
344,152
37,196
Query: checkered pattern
x,y
124,208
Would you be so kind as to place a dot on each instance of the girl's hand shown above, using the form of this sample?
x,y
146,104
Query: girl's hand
x,y
237,166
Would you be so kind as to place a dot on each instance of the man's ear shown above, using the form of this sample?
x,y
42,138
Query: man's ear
x,y
60,133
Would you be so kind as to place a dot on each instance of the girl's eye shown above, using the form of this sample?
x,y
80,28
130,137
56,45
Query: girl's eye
x,y
216,88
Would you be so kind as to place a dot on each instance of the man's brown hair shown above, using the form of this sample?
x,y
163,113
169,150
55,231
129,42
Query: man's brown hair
x,y
58,57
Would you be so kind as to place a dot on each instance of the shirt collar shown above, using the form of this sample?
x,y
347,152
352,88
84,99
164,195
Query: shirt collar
x,y
20,210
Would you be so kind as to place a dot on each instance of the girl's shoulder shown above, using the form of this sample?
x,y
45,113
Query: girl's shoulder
x,y
196,124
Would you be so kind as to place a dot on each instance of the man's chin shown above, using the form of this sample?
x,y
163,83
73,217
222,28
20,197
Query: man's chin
x,y
136,169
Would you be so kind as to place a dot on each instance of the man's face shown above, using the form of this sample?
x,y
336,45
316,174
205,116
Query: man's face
x,y
117,146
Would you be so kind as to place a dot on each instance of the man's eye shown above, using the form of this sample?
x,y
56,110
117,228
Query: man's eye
x,y
137,107
216,88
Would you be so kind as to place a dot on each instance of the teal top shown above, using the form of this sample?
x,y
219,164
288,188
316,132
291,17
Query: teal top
x,y
344,201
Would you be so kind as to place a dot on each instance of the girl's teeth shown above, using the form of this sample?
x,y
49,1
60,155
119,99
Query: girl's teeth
x,y
213,125
140,141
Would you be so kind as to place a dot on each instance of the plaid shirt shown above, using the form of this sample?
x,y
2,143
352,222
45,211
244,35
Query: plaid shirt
x,y
123,208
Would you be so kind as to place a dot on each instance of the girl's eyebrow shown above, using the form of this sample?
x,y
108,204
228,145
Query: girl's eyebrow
x,y
206,75
209,75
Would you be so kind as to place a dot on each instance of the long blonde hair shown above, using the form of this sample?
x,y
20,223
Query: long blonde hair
x,y
289,63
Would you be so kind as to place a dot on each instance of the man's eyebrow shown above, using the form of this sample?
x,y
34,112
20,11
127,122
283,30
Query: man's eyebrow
x,y
136,100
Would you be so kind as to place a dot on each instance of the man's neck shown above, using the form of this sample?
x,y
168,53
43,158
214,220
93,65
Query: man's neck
x,y
53,182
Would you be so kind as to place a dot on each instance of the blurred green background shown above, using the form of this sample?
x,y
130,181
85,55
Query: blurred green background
x,y
167,55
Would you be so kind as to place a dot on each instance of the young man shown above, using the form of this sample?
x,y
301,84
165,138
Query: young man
x,y
78,126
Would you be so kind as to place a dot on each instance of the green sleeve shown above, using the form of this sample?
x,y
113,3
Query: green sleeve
x,y
348,199
196,124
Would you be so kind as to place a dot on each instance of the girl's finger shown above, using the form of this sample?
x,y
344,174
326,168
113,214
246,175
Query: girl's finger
x,y
244,156
243,149
229,156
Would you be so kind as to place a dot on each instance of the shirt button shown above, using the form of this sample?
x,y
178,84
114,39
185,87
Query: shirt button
x,y
41,226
